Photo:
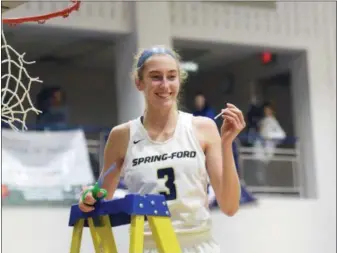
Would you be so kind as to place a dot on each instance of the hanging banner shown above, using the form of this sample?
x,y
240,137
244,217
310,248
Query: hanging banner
x,y
43,165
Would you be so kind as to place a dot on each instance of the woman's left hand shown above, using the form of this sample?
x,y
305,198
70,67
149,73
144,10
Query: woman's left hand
x,y
233,123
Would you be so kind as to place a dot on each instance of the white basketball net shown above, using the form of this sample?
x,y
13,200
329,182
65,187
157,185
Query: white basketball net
x,y
15,98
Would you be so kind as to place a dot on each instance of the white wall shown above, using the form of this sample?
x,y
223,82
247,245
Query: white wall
x,y
303,127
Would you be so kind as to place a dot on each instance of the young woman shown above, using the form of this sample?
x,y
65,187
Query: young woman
x,y
173,153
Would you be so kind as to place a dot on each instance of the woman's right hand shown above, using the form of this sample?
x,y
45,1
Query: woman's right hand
x,y
86,203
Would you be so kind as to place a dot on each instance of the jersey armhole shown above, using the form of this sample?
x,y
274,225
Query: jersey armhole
x,y
199,148
131,129
194,136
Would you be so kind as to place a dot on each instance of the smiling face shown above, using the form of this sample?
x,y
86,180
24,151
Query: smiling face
x,y
160,82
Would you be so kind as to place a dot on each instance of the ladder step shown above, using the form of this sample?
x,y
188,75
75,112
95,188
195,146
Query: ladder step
x,y
121,210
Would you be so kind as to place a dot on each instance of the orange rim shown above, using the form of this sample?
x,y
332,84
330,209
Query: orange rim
x,y
43,18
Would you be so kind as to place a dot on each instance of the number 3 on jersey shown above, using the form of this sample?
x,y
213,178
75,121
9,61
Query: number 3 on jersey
x,y
168,174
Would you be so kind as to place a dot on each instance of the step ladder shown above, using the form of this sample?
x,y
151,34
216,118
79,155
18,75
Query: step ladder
x,y
133,209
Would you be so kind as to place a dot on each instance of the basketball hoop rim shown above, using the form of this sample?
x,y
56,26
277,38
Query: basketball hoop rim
x,y
43,18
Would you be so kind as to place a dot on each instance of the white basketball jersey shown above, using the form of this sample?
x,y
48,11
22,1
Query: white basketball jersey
x,y
175,168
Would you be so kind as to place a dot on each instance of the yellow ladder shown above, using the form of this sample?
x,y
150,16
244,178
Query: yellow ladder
x,y
131,209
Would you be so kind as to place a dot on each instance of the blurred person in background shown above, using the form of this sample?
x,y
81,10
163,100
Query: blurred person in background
x,y
52,103
270,129
165,130
254,116
202,107
271,134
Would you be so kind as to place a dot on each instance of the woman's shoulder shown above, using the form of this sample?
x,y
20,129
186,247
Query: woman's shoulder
x,y
120,129
204,124
119,136
205,130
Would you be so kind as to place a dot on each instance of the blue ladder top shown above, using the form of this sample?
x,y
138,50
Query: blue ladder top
x,y
121,210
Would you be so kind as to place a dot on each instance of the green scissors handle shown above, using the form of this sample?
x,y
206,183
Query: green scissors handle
x,y
96,189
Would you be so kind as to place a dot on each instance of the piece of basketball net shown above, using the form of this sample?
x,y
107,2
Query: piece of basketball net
x,y
16,81
13,111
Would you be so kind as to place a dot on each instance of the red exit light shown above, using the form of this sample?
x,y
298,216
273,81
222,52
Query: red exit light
x,y
266,57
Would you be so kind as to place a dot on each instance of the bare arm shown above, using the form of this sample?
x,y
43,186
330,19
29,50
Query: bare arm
x,y
220,165
114,153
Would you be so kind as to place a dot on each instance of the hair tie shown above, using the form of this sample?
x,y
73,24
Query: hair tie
x,y
150,52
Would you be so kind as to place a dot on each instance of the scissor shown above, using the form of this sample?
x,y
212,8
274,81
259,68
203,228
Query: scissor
x,y
97,186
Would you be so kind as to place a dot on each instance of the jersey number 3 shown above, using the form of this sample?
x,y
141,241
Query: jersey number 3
x,y
168,174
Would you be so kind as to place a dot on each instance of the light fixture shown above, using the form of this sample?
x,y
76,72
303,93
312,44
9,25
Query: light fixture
x,y
190,66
